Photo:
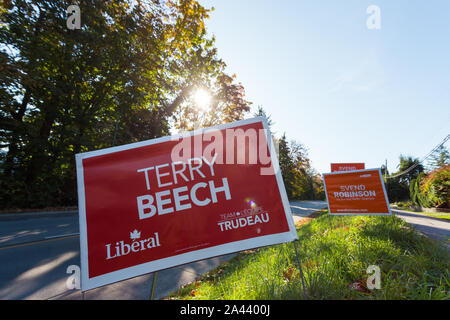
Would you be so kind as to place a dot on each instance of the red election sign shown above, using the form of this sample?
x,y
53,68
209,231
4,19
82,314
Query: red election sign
x,y
160,203
335,167
356,193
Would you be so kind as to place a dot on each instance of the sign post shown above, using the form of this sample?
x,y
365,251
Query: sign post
x,y
152,293
169,201
300,269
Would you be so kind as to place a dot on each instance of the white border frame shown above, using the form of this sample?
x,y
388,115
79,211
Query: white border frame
x,y
352,213
160,264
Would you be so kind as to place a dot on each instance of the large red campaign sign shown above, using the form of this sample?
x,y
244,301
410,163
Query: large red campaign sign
x,y
356,192
164,202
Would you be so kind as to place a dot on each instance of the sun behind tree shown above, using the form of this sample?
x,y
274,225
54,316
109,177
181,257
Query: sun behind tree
x,y
202,98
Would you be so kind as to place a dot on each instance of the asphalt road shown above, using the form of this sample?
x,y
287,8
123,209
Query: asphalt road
x,y
432,227
302,209
16,229
37,252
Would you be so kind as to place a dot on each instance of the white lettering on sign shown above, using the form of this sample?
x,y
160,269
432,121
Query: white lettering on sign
x,y
354,191
355,194
192,167
244,221
181,198
346,168
123,249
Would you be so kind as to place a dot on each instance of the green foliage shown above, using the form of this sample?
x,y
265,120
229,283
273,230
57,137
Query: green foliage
x,y
439,158
399,187
227,103
117,80
405,164
260,112
435,188
397,191
401,204
414,191
432,190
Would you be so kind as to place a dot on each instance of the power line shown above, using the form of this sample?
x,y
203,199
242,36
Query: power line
x,y
420,161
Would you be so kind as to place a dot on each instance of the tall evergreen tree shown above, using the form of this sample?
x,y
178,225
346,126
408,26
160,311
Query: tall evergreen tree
x,y
439,158
286,165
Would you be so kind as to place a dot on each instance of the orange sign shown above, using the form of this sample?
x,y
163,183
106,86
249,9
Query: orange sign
x,y
356,193
347,166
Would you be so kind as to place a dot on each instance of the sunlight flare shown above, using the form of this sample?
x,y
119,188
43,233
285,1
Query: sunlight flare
x,y
202,98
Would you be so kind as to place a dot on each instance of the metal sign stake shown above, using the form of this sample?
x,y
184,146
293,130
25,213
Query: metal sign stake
x,y
300,269
155,277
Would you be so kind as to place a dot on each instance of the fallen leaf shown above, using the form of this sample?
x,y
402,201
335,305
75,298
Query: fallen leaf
x,y
359,286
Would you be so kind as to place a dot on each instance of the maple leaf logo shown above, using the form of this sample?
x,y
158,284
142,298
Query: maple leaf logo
x,y
135,235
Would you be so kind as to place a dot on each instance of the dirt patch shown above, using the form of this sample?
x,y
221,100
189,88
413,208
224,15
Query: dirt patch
x,y
308,219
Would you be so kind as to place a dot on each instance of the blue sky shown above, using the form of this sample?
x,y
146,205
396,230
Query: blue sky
x,y
349,94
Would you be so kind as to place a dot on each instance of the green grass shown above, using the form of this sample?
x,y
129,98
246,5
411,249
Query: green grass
x,y
440,216
335,252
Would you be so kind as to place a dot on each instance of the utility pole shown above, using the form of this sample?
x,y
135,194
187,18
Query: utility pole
x,y
386,179
385,170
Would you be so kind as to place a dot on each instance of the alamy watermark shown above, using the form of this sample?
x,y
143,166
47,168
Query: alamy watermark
x,y
74,20
229,146
374,281
373,22
73,282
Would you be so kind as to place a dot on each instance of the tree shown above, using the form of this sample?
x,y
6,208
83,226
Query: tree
x,y
117,80
227,103
301,181
411,168
416,196
439,158
397,191
262,113
399,182
286,165
435,187
384,170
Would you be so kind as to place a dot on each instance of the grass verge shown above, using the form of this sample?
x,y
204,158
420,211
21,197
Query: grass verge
x,y
335,252
440,216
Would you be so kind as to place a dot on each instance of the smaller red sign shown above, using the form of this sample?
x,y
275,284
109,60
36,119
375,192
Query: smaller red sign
x,y
356,192
338,167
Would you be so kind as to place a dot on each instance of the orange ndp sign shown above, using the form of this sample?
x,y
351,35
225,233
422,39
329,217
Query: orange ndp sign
x,y
356,193
346,166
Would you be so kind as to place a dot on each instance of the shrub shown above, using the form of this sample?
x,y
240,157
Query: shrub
x,y
436,187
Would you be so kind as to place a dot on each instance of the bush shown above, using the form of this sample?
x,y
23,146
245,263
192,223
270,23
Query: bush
x,y
432,190
436,187
397,191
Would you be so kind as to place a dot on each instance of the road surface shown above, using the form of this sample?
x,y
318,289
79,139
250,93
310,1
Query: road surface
x,y
38,250
432,227
302,209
